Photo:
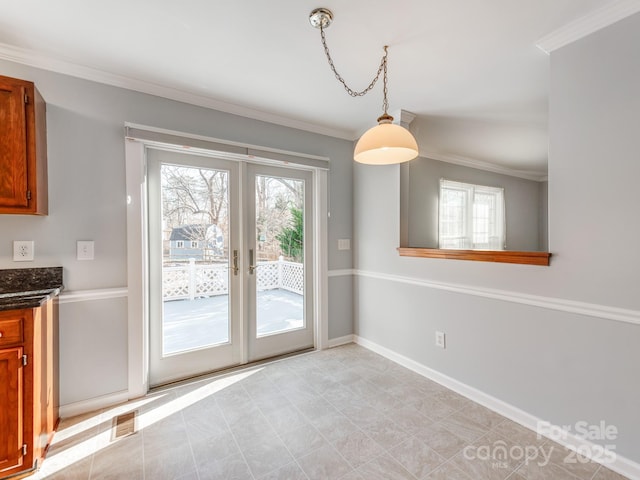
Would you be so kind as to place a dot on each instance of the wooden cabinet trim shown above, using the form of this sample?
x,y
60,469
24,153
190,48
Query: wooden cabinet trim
x,y
11,331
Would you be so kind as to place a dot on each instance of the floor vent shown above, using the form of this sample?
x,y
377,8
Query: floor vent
x,y
124,425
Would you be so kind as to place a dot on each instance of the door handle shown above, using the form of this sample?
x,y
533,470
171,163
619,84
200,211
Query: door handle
x,y
252,267
235,262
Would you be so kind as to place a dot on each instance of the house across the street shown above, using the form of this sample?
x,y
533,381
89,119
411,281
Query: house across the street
x,y
200,242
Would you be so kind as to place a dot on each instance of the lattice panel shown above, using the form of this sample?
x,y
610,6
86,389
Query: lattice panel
x,y
292,277
211,280
267,276
191,281
175,283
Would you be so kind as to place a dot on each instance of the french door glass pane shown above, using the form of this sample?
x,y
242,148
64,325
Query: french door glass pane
x,y
195,258
280,254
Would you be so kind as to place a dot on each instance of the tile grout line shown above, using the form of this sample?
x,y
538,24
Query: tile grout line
x,y
295,460
193,456
319,395
93,454
233,435
143,449
437,421
385,450
359,428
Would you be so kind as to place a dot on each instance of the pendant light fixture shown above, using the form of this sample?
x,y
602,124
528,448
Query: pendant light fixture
x,y
385,143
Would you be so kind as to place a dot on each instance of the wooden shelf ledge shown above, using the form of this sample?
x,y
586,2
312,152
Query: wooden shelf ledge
x,y
500,256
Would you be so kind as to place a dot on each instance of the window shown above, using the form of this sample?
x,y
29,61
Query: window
x,y
194,244
179,244
471,216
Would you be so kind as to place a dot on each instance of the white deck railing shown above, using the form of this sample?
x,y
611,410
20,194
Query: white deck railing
x,y
193,281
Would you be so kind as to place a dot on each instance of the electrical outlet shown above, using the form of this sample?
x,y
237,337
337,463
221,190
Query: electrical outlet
x,y
85,249
440,340
23,250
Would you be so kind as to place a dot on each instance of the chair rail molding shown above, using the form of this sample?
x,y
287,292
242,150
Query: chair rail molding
x,y
74,296
552,303
341,273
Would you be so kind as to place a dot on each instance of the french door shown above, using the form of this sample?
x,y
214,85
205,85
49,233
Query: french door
x,y
279,242
230,263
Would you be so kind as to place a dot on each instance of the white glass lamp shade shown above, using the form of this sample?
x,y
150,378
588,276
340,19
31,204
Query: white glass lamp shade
x,y
386,144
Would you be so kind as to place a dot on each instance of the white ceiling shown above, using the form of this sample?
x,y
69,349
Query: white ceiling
x,y
469,69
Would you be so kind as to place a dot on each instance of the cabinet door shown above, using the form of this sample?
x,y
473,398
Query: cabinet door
x,y
13,145
11,409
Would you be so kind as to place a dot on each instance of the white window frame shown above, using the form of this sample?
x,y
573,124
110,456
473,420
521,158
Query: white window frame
x,y
467,239
179,243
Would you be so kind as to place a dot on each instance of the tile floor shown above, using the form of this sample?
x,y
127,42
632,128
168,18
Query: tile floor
x,y
340,414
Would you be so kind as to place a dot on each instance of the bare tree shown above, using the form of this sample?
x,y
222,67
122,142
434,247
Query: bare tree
x,y
195,196
199,197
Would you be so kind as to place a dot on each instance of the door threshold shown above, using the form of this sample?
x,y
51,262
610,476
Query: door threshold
x,y
226,371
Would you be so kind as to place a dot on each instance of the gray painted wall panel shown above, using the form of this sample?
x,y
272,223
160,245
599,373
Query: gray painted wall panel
x,y
93,355
340,295
543,221
562,367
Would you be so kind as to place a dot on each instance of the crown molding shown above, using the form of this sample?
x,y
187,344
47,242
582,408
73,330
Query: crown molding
x,y
403,118
35,59
481,165
588,24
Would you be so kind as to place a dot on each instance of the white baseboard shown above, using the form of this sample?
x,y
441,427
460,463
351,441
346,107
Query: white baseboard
x,y
92,404
336,342
622,465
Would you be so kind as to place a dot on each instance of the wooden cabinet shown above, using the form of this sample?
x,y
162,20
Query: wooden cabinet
x,y
23,149
28,386
11,416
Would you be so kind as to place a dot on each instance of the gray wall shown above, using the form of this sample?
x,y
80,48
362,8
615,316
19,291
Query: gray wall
x,y
522,202
561,367
85,122
543,219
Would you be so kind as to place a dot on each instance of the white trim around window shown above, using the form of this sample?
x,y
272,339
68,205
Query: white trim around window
x,y
471,216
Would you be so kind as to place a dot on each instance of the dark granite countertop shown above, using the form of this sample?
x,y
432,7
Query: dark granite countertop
x,y
28,287
18,301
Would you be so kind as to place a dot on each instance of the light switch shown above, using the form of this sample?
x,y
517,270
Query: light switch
x,y
85,250
344,244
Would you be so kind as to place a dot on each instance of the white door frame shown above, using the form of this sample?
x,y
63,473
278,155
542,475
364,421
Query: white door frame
x,y
137,261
